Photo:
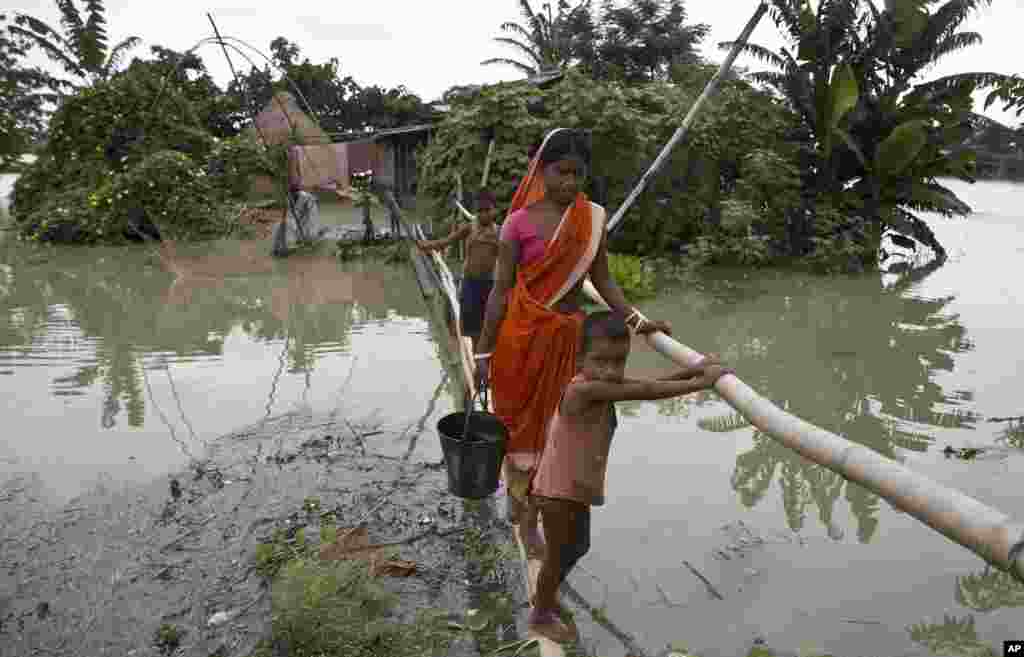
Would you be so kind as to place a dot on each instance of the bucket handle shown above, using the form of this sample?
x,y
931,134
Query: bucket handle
x,y
469,408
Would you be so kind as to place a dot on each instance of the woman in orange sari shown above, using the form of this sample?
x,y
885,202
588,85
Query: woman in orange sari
x,y
553,238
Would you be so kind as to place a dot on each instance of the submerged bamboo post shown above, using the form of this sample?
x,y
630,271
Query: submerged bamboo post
x,y
989,533
681,131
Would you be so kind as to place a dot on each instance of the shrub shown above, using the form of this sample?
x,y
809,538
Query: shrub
x,y
632,275
176,194
725,248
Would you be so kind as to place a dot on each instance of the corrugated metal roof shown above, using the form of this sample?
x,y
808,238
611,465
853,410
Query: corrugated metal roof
x,y
404,130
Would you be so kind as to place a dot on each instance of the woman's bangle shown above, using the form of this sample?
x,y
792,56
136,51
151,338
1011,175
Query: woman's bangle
x,y
483,356
640,321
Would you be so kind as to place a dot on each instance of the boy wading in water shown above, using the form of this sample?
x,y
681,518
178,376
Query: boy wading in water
x,y
570,477
481,238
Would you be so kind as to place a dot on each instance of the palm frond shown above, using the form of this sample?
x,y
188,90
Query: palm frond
x,y
978,80
933,197
517,29
117,54
528,70
761,53
54,50
74,28
532,18
94,38
837,18
787,15
950,16
955,42
771,78
526,49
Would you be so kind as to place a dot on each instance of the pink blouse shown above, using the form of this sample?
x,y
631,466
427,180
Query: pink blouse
x,y
519,228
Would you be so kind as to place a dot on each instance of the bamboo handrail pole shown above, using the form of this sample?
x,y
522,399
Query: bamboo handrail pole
x,y
487,164
991,534
465,350
464,212
681,131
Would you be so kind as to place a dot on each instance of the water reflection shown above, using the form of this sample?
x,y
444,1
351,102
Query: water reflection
x,y
877,351
953,636
111,312
989,590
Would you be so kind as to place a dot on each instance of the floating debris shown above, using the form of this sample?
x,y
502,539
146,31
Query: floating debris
x,y
221,617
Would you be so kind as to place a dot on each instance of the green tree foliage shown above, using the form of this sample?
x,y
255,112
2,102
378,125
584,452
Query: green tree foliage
x,y
1011,93
217,112
641,41
543,40
338,103
176,172
876,140
81,46
629,126
25,93
644,39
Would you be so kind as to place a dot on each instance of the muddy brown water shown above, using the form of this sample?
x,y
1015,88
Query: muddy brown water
x,y
114,374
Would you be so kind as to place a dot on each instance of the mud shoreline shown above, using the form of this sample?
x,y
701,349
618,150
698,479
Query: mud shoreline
x,y
102,574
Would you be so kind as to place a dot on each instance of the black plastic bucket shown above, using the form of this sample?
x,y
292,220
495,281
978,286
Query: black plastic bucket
x,y
473,452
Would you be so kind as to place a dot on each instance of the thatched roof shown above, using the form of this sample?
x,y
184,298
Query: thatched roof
x,y
282,121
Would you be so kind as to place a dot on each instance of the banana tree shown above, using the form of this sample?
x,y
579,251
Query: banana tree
x,y
81,47
878,138
543,40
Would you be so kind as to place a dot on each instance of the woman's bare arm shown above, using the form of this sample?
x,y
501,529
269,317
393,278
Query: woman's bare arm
x,y
610,291
497,302
602,279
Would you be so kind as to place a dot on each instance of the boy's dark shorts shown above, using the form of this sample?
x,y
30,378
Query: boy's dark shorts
x,y
473,295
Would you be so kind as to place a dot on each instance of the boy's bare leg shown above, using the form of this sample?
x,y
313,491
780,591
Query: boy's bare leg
x,y
563,549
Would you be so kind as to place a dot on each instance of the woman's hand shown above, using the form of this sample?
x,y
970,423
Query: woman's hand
x,y
712,374
483,373
708,360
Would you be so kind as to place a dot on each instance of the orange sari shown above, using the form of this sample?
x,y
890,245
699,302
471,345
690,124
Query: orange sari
x,y
535,355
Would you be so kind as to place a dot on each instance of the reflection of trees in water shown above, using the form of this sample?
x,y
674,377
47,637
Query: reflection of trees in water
x,y
989,590
1013,434
877,351
953,636
130,308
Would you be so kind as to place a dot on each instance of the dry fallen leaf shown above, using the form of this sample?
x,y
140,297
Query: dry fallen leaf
x,y
354,543
393,568
350,543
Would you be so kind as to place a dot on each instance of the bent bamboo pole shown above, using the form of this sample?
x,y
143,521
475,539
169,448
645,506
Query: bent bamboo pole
x,y
463,211
444,274
464,344
989,533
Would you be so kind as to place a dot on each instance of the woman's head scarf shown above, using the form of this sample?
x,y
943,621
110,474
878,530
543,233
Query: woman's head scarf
x,y
558,144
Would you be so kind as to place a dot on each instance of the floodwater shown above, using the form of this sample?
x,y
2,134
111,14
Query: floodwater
x,y
112,370
905,370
